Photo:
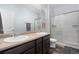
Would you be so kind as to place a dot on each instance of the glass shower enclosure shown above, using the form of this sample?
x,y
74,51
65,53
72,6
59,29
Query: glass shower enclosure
x,y
65,28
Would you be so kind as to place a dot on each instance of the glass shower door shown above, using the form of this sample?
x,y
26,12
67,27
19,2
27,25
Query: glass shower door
x,y
66,29
70,28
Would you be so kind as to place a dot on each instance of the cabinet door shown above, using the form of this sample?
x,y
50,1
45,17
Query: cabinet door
x,y
39,46
46,44
20,49
30,51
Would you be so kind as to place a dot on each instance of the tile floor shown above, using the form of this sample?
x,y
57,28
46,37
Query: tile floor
x,y
57,50
63,50
70,50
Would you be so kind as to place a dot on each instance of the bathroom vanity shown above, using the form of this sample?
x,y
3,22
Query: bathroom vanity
x,y
37,44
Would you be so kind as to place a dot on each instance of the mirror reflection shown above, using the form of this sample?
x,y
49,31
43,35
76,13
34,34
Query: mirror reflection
x,y
21,18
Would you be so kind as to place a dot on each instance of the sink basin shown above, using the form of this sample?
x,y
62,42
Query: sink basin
x,y
17,38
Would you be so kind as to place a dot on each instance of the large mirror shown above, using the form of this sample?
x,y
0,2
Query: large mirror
x,y
19,18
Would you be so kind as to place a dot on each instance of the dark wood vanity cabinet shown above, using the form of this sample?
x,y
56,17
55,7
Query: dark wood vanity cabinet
x,y
37,46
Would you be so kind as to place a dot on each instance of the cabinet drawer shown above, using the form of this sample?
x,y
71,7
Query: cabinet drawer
x,y
20,49
30,51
